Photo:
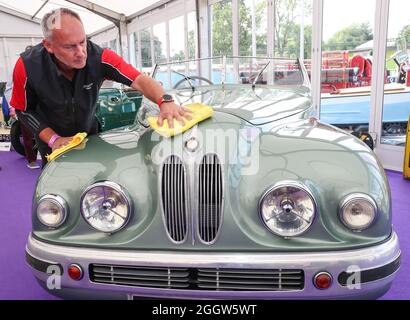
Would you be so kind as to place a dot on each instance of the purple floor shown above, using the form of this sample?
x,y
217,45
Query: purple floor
x,y
17,183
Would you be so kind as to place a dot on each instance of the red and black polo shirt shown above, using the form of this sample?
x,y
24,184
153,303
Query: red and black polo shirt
x,y
44,98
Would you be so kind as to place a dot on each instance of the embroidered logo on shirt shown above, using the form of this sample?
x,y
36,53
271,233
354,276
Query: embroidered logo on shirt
x,y
88,86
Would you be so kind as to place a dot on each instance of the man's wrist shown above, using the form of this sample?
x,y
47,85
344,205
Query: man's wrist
x,y
53,139
166,98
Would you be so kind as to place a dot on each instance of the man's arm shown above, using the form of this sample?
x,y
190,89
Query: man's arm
x,y
24,100
115,68
154,91
7,94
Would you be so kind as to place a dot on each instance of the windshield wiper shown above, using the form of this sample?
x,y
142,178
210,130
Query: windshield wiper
x,y
188,79
258,76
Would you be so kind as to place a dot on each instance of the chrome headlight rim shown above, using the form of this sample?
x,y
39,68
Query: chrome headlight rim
x,y
60,202
354,197
289,183
116,187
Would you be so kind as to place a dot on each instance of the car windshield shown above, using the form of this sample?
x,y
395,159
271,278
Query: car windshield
x,y
250,71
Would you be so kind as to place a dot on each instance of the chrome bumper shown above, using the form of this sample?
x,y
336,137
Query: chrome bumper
x,y
335,263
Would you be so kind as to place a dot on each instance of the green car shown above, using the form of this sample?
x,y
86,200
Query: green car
x,y
117,108
260,201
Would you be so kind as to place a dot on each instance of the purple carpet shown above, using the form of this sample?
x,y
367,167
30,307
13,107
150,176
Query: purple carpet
x,y
17,183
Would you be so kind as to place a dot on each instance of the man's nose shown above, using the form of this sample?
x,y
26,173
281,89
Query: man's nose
x,y
79,51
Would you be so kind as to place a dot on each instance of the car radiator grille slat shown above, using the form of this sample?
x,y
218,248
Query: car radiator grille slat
x,y
210,198
254,280
174,199
177,278
199,279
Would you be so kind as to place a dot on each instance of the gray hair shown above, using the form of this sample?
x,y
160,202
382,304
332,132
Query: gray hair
x,y
52,20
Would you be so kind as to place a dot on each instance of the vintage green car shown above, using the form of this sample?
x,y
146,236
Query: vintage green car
x,y
260,201
117,108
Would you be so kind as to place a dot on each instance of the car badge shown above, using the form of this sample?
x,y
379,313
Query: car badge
x,y
192,144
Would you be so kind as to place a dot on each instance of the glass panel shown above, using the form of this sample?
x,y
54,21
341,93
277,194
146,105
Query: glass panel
x,y
253,26
396,108
137,53
176,40
196,86
192,35
261,71
347,63
160,43
113,45
290,15
146,58
221,23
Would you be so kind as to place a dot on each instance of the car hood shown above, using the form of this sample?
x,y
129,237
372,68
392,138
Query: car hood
x,y
329,161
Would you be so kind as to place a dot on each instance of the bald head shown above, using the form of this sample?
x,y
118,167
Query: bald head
x,y
52,20
65,38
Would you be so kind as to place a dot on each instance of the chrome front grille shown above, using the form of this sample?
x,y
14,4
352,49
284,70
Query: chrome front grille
x,y
169,278
210,279
210,198
251,280
174,198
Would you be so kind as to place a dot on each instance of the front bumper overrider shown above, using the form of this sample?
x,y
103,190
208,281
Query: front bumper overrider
x,y
377,264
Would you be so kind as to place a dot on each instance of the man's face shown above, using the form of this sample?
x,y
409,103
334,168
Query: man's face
x,y
69,43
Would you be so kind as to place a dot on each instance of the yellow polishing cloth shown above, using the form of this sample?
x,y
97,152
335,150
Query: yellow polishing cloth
x,y
77,139
200,112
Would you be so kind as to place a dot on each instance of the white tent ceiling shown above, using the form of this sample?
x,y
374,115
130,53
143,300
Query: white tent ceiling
x,y
92,22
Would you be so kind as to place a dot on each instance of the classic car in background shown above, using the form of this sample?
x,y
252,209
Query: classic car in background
x,y
260,201
115,108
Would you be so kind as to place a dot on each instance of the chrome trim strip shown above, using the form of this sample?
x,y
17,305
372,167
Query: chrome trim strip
x,y
333,262
210,158
173,223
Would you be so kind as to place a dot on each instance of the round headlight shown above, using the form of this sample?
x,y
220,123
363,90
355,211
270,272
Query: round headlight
x,y
52,210
358,211
288,209
106,206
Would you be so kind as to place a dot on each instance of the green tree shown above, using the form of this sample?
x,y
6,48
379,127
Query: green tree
x,y
349,37
287,32
308,42
146,48
178,56
285,16
261,36
222,28
191,44
404,36
245,29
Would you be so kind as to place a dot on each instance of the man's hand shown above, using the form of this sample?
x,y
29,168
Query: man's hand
x,y
61,142
13,113
171,111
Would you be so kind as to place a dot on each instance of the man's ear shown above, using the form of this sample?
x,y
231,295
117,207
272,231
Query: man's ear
x,y
47,45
